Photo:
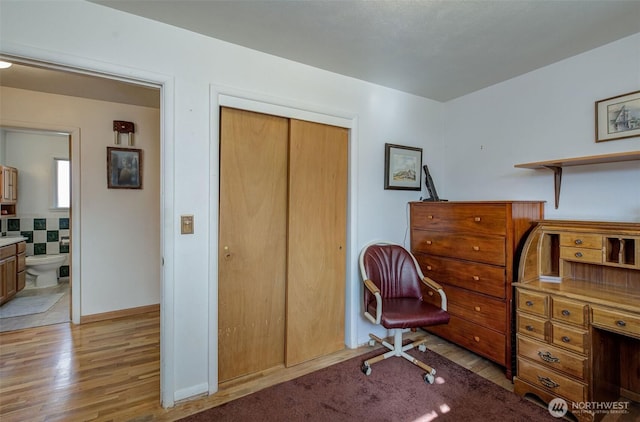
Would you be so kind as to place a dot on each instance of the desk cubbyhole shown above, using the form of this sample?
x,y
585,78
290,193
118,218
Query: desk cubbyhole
x,y
621,250
550,259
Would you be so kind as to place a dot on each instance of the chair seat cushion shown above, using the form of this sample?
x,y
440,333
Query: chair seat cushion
x,y
409,313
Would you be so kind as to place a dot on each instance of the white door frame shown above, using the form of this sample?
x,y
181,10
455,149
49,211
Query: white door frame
x,y
55,60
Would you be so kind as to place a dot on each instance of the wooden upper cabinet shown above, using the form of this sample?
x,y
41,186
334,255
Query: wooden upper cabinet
x,y
8,191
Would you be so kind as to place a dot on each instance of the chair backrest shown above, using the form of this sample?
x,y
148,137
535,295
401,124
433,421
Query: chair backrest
x,y
393,269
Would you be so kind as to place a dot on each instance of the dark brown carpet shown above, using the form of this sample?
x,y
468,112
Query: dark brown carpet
x,y
395,391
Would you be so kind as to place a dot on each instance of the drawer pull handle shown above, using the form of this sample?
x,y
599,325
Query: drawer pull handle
x,y
529,303
547,382
429,242
476,248
547,357
621,323
566,339
429,267
578,242
565,312
477,219
477,308
476,278
529,327
430,217
477,339
578,254
430,293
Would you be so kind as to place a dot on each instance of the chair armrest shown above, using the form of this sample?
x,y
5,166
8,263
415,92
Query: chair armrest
x,y
431,283
370,285
438,288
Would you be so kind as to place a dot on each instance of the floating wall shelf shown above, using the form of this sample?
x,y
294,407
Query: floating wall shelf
x,y
557,165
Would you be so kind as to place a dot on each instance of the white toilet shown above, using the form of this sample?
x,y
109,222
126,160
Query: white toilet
x,y
42,269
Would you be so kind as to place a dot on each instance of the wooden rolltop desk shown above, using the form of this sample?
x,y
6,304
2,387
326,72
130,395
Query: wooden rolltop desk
x,y
471,249
578,316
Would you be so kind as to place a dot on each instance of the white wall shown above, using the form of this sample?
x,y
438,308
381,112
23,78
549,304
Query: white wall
x,y
32,153
119,260
110,41
544,115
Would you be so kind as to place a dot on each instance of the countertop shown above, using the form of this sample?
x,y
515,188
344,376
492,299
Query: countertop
x,y
10,240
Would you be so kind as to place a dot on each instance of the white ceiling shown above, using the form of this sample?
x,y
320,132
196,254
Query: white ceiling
x,y
436,49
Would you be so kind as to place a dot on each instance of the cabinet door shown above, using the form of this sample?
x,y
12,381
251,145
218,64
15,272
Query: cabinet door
x,y
3,281
316,267
252,242
11,276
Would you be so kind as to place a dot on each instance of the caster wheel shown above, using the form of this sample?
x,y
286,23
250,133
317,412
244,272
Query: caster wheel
x,y
422,348
429,378
372,343
366,369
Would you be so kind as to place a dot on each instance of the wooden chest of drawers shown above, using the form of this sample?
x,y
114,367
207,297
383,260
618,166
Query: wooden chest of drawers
x,y
470,248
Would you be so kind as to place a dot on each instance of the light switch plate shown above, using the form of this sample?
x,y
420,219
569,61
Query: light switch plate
x,y
186,224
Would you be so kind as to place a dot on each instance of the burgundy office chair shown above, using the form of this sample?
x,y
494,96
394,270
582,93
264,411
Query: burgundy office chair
x,y
393,299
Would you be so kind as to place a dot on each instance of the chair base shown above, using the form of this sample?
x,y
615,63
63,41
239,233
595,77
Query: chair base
x,y
397,349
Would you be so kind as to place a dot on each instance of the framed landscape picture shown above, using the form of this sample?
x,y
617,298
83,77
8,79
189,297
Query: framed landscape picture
x,y
618,117
124,168
402,167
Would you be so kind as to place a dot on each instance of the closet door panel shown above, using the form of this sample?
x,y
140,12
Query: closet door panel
x,y
252,242
316,268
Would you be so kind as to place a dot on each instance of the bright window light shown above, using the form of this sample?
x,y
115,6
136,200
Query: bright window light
x,y
62,187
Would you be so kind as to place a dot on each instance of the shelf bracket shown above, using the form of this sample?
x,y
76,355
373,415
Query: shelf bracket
x,y
557,181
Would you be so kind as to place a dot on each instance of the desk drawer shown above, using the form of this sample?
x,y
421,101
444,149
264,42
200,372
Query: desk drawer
x,y
552,381
487,249
570,338
477,308
532,302
569,311
532,326
553,357
593,256
482,278
618,321
451,217
581,240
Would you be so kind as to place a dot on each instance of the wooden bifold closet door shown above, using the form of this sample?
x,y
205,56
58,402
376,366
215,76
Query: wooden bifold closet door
x,y
282,241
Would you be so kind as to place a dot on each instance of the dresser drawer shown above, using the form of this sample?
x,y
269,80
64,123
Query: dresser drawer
x,y
478,339
593,256
483,278
581,240
456,217
477,308
570,338
22,247
614,320
553,357
532,302
487,249
532,326
552,381
569,311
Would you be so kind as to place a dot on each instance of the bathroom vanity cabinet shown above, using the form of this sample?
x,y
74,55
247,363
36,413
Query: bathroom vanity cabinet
x,y
12,269
8,191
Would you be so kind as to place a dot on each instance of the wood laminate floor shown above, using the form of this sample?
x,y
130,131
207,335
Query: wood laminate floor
x,y
109,371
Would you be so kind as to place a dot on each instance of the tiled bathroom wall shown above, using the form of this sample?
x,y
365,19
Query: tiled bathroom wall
x,y
44,236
